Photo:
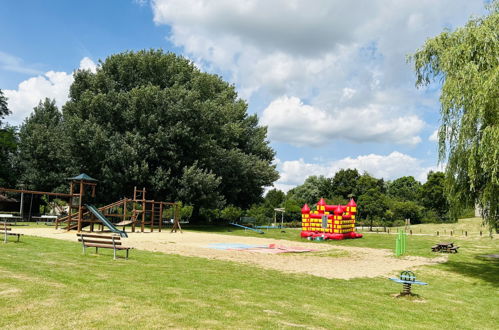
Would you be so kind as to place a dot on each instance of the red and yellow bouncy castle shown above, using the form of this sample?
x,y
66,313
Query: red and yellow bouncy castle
x,y
329,221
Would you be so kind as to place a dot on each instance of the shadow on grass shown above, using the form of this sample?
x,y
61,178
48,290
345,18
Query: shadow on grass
x,y
479,267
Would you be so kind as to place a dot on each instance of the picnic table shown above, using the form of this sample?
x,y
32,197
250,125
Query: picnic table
x,y
445,247
47,219
9,218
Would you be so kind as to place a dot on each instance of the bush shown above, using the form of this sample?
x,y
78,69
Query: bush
x,y
398,223
231,213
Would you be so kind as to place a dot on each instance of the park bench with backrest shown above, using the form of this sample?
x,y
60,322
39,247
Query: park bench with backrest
x,y
102,241
6,231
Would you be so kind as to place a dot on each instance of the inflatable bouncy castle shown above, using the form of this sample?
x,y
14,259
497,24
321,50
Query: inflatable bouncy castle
x,y
329,221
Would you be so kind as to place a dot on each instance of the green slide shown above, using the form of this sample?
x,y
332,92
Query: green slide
x,y
104,220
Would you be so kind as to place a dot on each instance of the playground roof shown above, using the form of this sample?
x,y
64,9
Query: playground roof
x,y
84,177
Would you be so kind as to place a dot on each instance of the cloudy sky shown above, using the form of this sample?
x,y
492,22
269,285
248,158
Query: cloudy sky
x,y
329,78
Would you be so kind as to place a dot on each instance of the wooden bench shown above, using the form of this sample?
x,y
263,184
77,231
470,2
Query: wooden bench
x,y
102,241
7,231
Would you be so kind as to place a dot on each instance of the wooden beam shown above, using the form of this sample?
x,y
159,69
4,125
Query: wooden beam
x,y
160,216
34,192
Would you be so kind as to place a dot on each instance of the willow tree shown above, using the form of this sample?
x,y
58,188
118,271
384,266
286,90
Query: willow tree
x,y
466,61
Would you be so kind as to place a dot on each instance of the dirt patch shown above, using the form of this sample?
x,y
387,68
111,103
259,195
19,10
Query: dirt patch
x,y
359,262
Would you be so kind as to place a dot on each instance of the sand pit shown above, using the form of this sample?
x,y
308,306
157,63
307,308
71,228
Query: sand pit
x,y
359,262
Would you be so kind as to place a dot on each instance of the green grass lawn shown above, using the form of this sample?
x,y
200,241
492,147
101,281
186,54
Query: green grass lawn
x,y
47,283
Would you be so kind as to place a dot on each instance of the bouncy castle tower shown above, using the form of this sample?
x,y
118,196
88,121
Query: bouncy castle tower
x,y
329,221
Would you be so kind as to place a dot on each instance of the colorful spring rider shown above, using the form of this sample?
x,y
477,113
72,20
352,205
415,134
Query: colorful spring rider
x,y
407,279
329,221
400,243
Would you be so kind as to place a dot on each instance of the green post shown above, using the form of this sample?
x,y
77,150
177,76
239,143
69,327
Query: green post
x,y
397,244
400,243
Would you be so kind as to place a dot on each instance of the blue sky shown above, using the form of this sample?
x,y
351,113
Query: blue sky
x,y
329,78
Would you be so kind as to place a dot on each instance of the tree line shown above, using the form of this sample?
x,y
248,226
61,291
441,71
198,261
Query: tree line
x,y
380,202
149,119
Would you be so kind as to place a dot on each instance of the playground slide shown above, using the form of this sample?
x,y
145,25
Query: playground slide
x,y
238,225
105,221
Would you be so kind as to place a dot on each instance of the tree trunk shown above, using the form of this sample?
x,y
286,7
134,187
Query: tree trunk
x,y
195,218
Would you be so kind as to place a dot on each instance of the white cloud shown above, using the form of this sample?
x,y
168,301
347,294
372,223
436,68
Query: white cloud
x,y
289,120
12,63
388,167
434,136
53,85
336,55
87,64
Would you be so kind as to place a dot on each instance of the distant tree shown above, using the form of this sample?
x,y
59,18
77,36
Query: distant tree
x,y
432,194
185,211
311,190
262,214
153,119
372,206
40,157
402,210
7,145
4,109
405,188
231,213
344,182
365,182
8,148
275,197
466,61
292,209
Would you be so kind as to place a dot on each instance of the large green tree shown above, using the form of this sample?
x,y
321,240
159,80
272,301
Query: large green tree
x,y
7,145
432,195
366,182
4,109
275,197
372,206
40,158
311,190
152,119
405,188
344,182
467,62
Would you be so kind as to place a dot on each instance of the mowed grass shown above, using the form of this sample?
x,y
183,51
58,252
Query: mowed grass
x,y
47,283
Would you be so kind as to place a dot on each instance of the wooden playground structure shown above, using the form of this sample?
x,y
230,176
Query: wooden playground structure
x,y
137,212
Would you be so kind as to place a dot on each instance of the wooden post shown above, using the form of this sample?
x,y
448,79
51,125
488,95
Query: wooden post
x,y
160,216
124,210
143,216
134,216
143,209
153,205
70,209
80,208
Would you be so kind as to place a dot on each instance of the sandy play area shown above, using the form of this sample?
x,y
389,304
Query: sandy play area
x,y
329,261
